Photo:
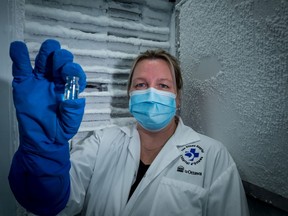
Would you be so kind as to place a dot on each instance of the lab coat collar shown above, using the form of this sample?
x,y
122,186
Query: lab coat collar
x,y
190,134
134,144
184,134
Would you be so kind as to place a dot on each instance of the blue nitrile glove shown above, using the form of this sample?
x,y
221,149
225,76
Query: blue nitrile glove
x,y
39,174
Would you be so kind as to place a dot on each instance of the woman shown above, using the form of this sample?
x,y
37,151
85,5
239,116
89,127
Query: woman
x,y
157,166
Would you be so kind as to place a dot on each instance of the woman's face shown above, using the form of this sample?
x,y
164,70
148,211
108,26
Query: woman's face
x,y
153,73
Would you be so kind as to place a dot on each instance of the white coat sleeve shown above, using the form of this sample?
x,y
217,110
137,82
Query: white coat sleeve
x,y
83,159
227,196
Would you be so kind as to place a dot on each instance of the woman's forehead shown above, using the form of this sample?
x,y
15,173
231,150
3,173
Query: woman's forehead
x,y
157,68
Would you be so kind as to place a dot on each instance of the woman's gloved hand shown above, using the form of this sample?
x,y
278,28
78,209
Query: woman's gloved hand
x,y
39,174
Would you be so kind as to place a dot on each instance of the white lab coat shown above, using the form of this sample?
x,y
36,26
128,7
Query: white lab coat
x,y
192,175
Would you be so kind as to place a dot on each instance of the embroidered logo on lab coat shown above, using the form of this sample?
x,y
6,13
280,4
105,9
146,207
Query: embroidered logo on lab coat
x,y
192,154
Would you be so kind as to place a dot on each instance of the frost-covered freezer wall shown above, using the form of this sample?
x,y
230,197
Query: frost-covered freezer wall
x,y
234,55
104,36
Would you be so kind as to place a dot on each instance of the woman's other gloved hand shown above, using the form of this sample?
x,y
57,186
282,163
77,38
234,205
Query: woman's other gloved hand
x,y
39,174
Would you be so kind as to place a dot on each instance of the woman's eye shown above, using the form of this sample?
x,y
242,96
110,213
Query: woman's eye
x,y
164,86
140,85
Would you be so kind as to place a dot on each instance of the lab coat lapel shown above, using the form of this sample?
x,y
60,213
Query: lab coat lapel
x,y
134,143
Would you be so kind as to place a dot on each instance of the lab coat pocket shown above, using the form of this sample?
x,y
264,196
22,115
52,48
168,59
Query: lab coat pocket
x,y
174,197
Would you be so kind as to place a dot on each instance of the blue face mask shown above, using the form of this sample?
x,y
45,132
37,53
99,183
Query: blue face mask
x,y
153,109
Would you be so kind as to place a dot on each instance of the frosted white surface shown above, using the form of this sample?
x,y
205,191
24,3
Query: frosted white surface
x,y
234,56
77,17
61,31
104,37
34,47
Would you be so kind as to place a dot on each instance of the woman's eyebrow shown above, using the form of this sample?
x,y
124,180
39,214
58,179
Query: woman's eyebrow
x,y
138,79
165,79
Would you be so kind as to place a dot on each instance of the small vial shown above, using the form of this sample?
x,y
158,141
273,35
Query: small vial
x,y
71,88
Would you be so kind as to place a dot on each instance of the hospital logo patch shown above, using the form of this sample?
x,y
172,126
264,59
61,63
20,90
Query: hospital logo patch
x,y
192,154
